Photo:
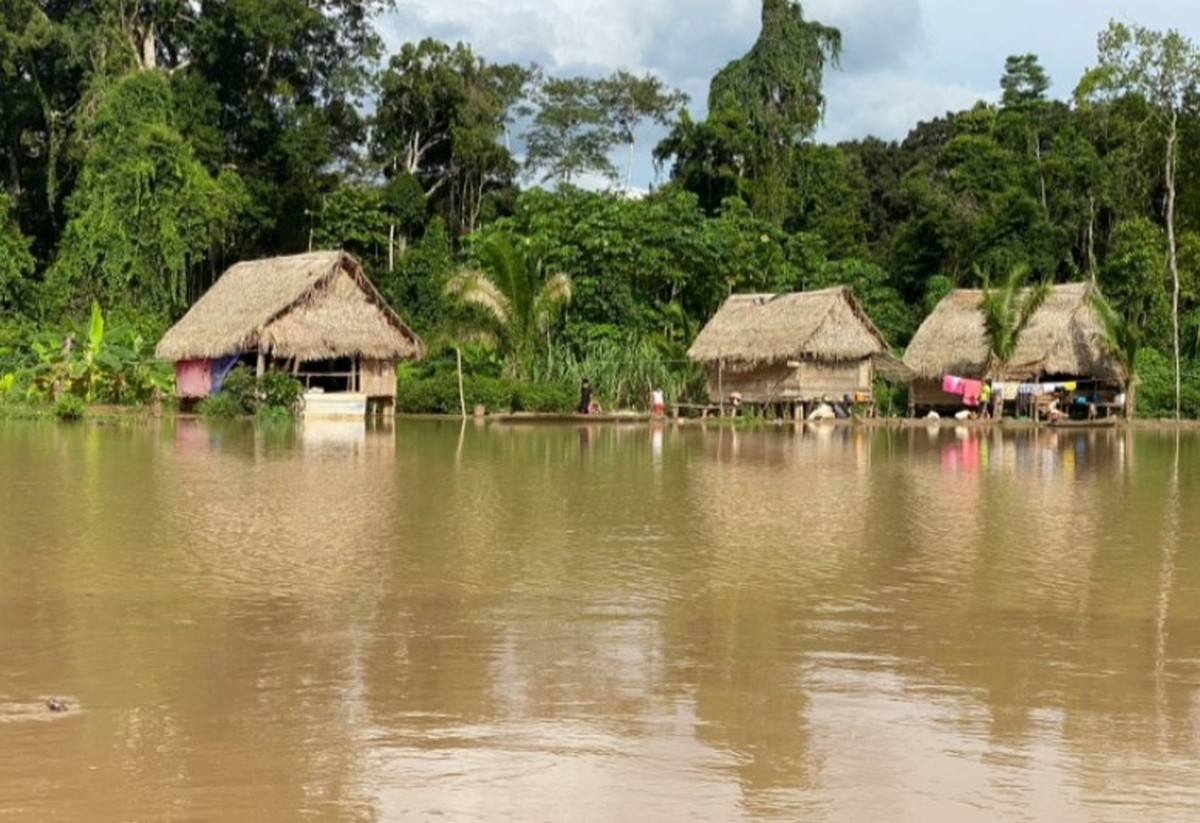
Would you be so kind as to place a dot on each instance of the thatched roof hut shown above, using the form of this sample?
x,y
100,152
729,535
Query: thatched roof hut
x,y
1063,338
315,306
752,330
788,347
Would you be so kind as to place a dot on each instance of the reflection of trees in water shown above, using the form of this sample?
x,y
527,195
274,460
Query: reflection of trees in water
x,y
422,591
203,677
779,525
746,676
1056,609
1025,567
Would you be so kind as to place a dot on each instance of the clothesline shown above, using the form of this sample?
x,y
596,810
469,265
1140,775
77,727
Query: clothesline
x,y
979,392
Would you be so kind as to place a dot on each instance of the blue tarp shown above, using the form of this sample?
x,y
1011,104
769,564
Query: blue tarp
x,y
221,367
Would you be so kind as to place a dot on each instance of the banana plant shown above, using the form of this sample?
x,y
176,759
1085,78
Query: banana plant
x,y
96,362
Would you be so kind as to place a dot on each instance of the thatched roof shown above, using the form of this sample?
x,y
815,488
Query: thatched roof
x,y
1063,338
751,330
313,306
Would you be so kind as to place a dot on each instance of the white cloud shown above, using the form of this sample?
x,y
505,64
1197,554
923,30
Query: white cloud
x,y
903,60
888,105
588,36
876,34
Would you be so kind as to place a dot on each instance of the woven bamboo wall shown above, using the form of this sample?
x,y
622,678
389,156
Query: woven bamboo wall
x,y
378,378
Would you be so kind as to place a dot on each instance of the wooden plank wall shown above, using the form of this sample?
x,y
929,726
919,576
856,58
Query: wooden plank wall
x,y
378,378
777,383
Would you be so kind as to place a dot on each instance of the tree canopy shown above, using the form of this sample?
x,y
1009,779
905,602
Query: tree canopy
x,y
145,146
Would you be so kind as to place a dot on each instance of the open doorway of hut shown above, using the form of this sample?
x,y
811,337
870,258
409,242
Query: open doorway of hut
x,y
336,375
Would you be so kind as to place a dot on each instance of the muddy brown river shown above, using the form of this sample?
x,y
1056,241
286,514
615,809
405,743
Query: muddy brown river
x,y
425,621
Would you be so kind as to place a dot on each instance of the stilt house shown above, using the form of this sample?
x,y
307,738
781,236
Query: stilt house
x,y
791,349
314,315
1062,342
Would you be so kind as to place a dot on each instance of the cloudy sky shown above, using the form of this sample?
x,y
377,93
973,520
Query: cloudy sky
x,y
903,60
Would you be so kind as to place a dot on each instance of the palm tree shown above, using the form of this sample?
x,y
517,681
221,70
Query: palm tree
x,y
1006,312
518,298
1121,339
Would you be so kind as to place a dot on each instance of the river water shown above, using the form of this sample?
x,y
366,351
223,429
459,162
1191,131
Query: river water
x,y
605,623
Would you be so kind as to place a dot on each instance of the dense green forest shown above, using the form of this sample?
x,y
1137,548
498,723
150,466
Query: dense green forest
x,y
145,146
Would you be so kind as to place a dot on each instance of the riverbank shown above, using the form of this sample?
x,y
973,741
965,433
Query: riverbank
x,y
111,413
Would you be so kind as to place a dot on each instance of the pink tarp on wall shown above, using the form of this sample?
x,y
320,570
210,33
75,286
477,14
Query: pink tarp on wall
x,y
193,378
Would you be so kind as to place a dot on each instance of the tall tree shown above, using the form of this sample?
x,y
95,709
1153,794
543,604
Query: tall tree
x,y
778,84
283,83
630,100
710,158
16,263
441,118
572,133
41,77
145,215
1024,81
1163,69
1023,102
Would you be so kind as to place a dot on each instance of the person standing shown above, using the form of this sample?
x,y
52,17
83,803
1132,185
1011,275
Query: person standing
x,y
585,397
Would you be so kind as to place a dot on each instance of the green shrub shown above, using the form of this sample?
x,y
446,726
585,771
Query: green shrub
x,y
242,390
438,394
275,393
1155,395
891,399
221,404
279,390
547,398
273,415
69,408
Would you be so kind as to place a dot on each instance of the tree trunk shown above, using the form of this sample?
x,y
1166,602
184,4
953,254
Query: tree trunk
x,y
1091,238
391,247
1037,154
1172,148
149,52
462,397
14,168
629,167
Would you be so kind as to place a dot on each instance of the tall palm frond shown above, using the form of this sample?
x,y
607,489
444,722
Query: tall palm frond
x,y
1030,303
511,287
474,288
1007,311
507,266
1120,338
554,293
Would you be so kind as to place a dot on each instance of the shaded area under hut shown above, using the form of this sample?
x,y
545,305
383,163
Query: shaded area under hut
x,y
313,315
1060,356
793,351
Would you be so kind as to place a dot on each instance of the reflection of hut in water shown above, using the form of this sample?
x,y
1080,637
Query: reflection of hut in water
x,y
314,315
1062,343
790,349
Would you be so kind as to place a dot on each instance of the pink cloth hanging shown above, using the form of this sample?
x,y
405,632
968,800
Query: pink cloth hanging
x,y
952,384
971,390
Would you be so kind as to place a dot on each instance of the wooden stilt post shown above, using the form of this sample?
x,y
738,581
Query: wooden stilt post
x,y
462,398
721,384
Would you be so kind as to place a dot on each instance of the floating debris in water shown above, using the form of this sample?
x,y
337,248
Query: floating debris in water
x,y
44,708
